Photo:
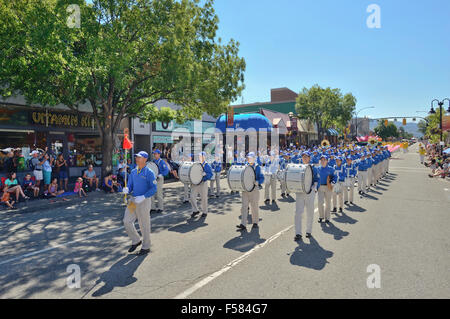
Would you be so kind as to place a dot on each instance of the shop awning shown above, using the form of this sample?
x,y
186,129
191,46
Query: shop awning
x,y
332,132
245,121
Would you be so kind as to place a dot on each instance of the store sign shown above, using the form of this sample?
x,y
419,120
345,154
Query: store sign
x,y
188,125
162,139
61,119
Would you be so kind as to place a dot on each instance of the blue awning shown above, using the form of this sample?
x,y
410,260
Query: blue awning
x,y
332,132
245,121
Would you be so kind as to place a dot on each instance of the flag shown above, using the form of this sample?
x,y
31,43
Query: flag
x,y
127,143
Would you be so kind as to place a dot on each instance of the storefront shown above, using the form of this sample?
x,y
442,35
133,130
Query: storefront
x,y
164,135
72,134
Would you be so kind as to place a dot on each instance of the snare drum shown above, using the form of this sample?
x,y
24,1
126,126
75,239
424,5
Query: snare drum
x,y
281,175
337,188
299,178
348,182
241,178
154,168
191,173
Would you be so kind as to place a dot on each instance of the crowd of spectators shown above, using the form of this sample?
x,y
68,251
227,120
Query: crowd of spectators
x,y
434,156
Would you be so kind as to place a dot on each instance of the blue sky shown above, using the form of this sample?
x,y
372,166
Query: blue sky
x,y
398,68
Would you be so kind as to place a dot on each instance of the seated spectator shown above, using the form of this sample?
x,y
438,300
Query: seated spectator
x,y
29,186
79,187
53,191
14,187
6,198
110,184
90,177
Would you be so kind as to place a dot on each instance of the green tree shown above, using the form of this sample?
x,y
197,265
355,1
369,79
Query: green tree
x,y
422,127
386,132
325,107
125,56
433,129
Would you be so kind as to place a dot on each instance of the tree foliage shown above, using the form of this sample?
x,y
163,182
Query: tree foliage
x,y
386,132
326,107
126,56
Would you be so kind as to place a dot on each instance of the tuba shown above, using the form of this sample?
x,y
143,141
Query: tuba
x,y
325,143
373,141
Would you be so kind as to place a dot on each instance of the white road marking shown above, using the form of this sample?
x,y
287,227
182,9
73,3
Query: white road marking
x,y
230,265
75,241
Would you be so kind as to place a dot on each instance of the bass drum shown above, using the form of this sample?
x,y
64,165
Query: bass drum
x,y
299,178
241,178
191,173
154,168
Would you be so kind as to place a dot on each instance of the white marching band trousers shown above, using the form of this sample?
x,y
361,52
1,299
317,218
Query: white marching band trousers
x,y
362,181
324,194
201,189
159,194
339,196
270,184
252,199
304,201
142,213
216,180
348,191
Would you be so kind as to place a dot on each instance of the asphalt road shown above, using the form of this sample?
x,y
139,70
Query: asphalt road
x,y
402,227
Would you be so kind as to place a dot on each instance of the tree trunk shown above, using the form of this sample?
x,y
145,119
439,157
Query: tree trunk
x,y
107,148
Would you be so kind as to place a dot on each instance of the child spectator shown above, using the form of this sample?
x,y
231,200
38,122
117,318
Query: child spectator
x,y
79,187
53,191
28,186
6,198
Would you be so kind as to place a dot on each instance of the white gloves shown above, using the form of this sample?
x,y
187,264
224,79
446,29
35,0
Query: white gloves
x,y
204,174
125,190
256,183
139,199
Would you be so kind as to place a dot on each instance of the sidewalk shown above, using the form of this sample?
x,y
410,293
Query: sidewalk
x,y
172,199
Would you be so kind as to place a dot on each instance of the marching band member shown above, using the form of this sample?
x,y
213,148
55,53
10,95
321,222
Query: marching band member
x,y
369,170
142,184
271,169
327,177
217,168
251,198
202,188
186,186
163,171
341,173
305,201
350,173
362,175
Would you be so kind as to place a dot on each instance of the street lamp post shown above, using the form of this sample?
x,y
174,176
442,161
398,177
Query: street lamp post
x,y
432,111
356,117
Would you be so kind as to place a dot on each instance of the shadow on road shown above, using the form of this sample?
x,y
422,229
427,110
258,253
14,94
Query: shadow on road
x,y
310,255
245,241
121,274
333,230
343,218
190,225
356,208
